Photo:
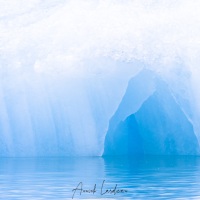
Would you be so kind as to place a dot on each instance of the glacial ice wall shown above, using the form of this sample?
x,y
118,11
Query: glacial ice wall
x,y
65,67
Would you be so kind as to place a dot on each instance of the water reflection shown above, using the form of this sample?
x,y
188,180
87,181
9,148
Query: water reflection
x,y
142,178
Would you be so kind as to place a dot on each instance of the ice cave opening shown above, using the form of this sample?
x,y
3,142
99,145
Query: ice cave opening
x,y
157,126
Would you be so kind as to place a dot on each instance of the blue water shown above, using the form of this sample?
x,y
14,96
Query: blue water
x,y
138,178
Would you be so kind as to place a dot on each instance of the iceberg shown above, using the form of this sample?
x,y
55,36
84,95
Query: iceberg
x,y
93,78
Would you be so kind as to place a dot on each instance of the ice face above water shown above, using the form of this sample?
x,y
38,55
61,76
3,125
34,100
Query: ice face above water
x,y
59,115
66,68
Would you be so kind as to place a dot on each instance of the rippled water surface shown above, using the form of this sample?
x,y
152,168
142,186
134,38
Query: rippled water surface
x,y
123,178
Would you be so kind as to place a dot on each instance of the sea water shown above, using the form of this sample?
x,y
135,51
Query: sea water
x,y
100,178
